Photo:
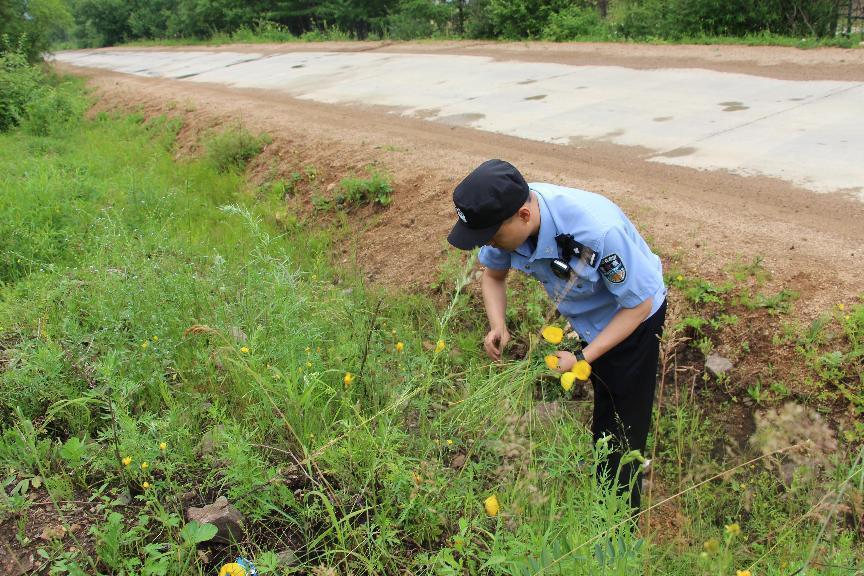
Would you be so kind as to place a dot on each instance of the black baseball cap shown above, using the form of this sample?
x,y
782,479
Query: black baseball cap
x,y
487,197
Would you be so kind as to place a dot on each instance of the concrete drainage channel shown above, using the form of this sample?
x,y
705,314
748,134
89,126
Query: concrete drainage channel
x,y
809,133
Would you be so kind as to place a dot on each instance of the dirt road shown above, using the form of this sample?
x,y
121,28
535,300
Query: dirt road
x,y
701,221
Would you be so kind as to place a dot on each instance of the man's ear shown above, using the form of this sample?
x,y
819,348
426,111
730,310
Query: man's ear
x,y
525,213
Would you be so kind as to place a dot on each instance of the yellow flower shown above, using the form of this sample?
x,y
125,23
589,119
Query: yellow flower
x,y
449,442
679,278
491,505
244,350
144,465
582,370
145,485
439,346
553,334
232,569
742,573
144,345
841,307
163,446
308,364
551,361
155,338
308,349
712,546
348,379
400,346
127,461
567,379
733,529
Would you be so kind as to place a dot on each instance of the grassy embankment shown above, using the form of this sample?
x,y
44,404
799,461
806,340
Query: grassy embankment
x,y
164,340
247,36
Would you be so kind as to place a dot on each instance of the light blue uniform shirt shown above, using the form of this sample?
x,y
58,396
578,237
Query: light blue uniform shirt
x,y
624,274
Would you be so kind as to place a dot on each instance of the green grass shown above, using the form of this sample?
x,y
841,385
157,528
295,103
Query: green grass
x,y
277,34
145,301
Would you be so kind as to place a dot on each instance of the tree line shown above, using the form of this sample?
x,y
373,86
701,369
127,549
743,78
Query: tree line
x,y
88,23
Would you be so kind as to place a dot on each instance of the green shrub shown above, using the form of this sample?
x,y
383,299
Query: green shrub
x,y
377,188
645,19
263,31
50,110
328,34
680,19
41,376
18,82
418,19
573,22
231,150
515,19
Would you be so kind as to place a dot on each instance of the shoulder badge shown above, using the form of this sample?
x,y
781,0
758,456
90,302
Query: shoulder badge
x,y
613,269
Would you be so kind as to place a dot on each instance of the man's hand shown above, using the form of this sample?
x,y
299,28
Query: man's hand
x,y
495,341
566,360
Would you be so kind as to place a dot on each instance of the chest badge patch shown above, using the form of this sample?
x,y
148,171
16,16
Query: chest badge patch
x,y
613,269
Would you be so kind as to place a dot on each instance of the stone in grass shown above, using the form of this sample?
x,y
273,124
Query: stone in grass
x,y
238,334
287,557
717,365
210,440
226,518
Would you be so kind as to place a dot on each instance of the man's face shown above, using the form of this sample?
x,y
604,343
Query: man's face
x,y
513,232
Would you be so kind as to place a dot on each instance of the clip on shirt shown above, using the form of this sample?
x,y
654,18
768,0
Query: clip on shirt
x,y
568,247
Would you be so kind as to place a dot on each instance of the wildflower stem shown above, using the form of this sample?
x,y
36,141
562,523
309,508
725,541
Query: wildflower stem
x,y
369,339
115,439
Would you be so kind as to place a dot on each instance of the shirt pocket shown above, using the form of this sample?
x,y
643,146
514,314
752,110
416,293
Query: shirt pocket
x,y
587,282
584,285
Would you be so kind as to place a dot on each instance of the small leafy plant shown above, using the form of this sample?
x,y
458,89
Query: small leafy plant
x,y
377,189
232,149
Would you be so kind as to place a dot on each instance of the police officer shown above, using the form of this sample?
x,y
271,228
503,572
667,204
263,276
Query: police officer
x,y
599,271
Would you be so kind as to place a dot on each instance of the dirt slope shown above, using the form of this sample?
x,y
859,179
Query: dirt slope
x,y
704,220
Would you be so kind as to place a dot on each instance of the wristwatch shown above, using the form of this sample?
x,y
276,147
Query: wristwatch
x,y
579,355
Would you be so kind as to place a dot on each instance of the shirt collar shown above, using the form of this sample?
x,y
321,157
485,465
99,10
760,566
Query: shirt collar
x,y
546,245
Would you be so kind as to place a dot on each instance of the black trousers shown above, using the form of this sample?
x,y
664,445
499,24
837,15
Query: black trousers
x,y
624,381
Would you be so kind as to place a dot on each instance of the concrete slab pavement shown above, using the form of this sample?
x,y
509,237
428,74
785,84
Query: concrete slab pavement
x,y
810,133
